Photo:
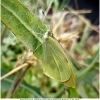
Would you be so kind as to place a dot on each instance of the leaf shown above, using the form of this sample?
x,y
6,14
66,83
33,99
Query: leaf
x,y
85,71
32,89
81,91
6,84
26,26
89,77
73,93
84,36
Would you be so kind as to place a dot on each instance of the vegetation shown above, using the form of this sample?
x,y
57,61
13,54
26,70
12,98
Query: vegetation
x,y
23,25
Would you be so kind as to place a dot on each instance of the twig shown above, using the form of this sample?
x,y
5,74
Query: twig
x,y
18,80
13,71
47,11
36,6
86,21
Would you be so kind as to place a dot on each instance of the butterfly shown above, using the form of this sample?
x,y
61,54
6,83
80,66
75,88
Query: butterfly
x,y
56,65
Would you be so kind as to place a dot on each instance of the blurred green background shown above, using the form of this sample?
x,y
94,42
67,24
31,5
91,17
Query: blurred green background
x,y
74,34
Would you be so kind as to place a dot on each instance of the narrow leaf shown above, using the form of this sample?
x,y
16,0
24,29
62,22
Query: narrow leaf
x,y
26,26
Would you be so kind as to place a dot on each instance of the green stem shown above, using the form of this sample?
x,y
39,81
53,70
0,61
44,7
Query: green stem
x,y
84,72
60,92
3,33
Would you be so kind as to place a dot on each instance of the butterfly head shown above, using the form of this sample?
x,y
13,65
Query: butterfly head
x,y
47,34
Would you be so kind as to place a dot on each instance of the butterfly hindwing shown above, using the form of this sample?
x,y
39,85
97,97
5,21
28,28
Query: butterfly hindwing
x,y
71,82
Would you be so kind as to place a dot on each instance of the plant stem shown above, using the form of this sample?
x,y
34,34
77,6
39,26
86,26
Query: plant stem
x,y
14,70
47,10
84,72
60,92
3,33
18,80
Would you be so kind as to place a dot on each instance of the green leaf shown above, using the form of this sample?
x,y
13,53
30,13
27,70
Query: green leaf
x,y
81,91
89,78
82,73
6,84
84,36
73,93
26,26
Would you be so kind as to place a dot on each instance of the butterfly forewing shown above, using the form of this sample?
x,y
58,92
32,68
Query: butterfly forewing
x,y
55,62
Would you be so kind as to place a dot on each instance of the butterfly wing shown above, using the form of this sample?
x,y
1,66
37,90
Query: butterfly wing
x,y
55,63
71,82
